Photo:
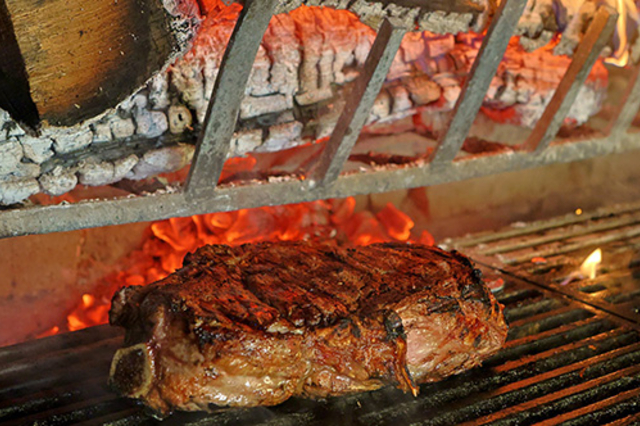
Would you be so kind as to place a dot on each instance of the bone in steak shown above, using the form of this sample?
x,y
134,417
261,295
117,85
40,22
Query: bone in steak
x,y
259,323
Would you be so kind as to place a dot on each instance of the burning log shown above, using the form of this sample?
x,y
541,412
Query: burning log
x,y
303,71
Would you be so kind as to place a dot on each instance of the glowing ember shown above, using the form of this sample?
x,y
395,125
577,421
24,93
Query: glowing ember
x,y
578,211
538,260
170,240
589,267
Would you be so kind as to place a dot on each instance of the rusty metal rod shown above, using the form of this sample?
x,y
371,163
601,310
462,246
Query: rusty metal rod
x,y
595,39
476,85
228,92
88,214
359,103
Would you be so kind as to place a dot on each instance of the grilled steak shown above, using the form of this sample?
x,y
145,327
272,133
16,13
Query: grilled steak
x,y
258,323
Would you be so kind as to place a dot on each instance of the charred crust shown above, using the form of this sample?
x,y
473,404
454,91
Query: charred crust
x,y
393,325
462,258
124,307
207,335
477,275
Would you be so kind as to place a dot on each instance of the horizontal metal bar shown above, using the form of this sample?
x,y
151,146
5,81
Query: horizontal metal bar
x,y
359,102
228,92
533,240
494,44
87,214
597,36
487,238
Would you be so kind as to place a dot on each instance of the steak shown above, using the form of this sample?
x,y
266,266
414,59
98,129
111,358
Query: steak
x,y
258,323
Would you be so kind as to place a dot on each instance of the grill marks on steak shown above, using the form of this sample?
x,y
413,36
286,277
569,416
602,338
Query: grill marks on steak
x,y
258,323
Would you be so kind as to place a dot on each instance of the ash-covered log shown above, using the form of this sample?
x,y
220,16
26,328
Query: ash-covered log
x,y
76,59
305,66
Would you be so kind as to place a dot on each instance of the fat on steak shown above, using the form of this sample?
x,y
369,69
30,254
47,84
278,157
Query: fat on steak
x,y
258,323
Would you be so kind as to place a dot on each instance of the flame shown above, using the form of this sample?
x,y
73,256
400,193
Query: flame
x,y
170,240
627,9
590,265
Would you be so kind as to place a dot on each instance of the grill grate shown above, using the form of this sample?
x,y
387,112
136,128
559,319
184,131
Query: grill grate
x,y
325,180
564,361
546,253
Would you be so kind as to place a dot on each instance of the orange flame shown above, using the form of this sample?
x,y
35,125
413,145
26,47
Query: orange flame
x,y
170,240
590,265
627,9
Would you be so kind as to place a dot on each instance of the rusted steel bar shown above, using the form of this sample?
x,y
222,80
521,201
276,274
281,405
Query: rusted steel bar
x,y
595,39
482,72
228,92
88,214
359,103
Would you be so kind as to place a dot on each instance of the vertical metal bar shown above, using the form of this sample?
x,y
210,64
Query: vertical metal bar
x,y
359,103
628,107
228,92
482,72
597,36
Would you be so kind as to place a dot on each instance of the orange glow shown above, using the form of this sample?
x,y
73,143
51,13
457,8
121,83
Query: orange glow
x,y
627,10
538,260
590,265
170,240
50,332
398,224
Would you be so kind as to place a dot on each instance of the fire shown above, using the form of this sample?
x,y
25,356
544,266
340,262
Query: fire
x,y
627,10
588,269
170,240
590,266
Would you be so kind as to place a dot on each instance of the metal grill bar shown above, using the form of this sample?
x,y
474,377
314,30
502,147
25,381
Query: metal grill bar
x,y
202,195
585,56
228,92
87,214
482,72
359,102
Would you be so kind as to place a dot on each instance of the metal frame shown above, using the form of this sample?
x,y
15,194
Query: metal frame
x,y
201,195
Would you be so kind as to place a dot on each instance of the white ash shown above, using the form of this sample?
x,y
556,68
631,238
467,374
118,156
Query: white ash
x,y
442,22
381,107
94,174
69,140
26,170
161,160
256,106
150,124
58,181
122,128
400,99
35,149
10,155
102,132
245,141
159,91
17,190
281,136
14,130
106,172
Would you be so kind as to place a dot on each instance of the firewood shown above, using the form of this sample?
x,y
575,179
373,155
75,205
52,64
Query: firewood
x,y
68,60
